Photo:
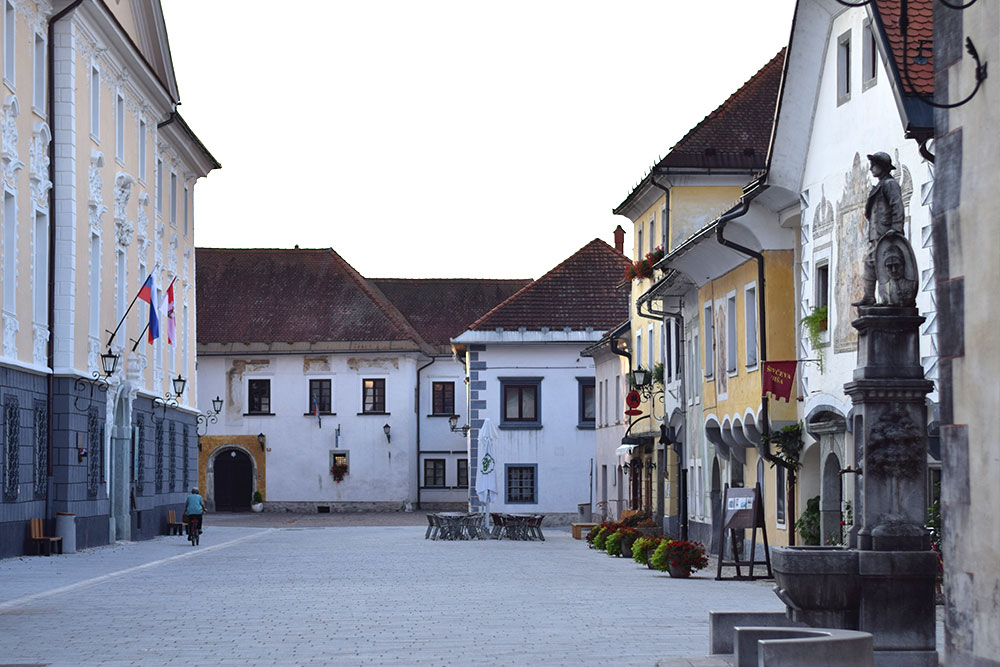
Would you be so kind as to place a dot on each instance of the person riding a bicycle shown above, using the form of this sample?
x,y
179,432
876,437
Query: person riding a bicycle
x,y
195,508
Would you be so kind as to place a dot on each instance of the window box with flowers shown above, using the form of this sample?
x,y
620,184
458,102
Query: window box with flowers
x,y
643,268
339,465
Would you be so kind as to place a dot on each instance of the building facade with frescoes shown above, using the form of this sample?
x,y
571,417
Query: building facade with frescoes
x,y
99,172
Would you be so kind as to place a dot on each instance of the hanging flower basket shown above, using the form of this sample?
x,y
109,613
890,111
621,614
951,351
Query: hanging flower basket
x,y
338,470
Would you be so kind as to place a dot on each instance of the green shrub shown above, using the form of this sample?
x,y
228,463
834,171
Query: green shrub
x,y
613,544
600,538
643,547
808,523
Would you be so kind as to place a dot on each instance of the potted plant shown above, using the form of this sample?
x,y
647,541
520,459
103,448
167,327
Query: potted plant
x,y
338,470
258,502
629,536
613,544
643,548
601,538
815,324
679,557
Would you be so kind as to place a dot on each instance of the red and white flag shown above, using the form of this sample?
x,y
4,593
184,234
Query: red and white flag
x,y
166,311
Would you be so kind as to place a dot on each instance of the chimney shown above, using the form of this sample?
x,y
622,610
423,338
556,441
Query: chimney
x,y
620,239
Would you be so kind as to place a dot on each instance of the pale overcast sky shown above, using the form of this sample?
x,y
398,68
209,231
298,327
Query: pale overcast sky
x,y
448,138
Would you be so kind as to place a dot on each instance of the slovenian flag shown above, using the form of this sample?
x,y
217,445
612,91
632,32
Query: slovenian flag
x,y
148,294
167,308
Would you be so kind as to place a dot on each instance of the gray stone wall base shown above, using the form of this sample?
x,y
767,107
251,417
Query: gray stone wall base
x,y
906,659
313,507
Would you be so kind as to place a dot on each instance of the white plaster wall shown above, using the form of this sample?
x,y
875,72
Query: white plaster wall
x,y
298,450
867,123
436,438
611,427
561,450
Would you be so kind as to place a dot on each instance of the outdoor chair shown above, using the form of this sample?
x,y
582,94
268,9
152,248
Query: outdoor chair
x,y
499,525
43,541
432,527
535,527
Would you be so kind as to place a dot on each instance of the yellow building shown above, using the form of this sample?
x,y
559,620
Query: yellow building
x,y
699,179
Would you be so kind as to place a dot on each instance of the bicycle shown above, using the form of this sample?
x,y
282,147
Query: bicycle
x,y
194,528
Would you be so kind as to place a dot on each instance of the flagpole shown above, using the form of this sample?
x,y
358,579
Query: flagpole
x,y
122,320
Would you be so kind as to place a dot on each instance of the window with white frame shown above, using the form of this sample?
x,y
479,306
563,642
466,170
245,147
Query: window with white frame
x,y
41,273
9,41
618,399
95,103
94,290
142,150
38,85
184,334
821,293
750,315
779,491
638,349
173,199
664,223
652,232
869,57
9,252
844,68
731,333
120,128
186,195
668,356
638,250
695,362
650,348
678,353
159,186
709,339
120,283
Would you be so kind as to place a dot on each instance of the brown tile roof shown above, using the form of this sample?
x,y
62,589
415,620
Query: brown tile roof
x,y
441,308
919,78
736,135
579,293
280,295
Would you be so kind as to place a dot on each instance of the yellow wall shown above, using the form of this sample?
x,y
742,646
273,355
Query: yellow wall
x,y
694,206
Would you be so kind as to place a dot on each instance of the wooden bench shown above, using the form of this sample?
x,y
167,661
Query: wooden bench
x,y
579,529
40,539
174,527
627,513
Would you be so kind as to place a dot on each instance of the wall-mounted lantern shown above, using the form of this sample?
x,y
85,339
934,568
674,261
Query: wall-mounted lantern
x,y
455,428
210,417
386,429
109,364
262,441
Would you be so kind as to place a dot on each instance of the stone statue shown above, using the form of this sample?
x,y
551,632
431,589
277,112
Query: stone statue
x,y
884,212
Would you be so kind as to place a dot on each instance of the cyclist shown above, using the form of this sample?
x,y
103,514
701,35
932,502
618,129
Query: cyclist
x,y
195,508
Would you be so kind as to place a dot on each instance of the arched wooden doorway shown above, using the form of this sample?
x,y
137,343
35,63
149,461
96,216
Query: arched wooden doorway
x,y
233,481
716,496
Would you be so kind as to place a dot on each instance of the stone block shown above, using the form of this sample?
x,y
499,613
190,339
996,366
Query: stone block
x,y
794,647
722,626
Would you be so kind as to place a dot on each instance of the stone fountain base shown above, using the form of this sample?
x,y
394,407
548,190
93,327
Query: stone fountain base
x,y
889,594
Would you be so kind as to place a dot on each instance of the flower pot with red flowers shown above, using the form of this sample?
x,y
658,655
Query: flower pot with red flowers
x,y
680,557
643,548
338,470
629,536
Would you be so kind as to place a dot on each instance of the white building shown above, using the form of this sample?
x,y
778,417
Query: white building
x,y
528,375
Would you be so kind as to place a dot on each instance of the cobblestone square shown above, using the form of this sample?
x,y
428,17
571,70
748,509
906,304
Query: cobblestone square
x,y
281,591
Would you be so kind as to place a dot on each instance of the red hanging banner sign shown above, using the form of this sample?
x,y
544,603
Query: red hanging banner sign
x,y
779,376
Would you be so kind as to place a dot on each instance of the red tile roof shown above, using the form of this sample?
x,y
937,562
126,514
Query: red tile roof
x,y
441,308
919,78
280,295
580,293
736,135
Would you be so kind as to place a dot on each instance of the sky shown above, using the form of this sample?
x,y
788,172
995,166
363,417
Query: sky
x,y
448,139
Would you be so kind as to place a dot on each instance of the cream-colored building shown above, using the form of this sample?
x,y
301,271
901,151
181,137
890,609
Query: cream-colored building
x,y
98,174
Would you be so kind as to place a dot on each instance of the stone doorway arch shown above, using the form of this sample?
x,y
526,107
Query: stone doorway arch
x,y
230,479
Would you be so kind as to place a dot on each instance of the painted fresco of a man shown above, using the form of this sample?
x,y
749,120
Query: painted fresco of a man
x,y
884,213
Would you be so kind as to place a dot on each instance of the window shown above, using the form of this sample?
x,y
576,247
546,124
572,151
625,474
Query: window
x,y
142,150
731,333
159,185
120,128
844,68
520,398
320,396
434,473
9,252
260,397
522,483
186,194
443,398
869,61
677,351
649,346
41,274
173,199
340,457
373,396
38,87
95,104
652,233
709,339
822,295
639,246
750,315
587,409
618,399
638,349
463,472
668,357
9,41
779,490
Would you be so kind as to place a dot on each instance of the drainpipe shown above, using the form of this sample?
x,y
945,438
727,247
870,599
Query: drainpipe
x,y
678,317
765,429
50,346
417,408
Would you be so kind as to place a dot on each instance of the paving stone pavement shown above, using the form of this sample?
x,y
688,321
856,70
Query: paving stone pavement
x,y
354,595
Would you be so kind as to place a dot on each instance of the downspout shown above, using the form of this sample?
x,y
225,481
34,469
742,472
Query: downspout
x,y
417,409
50,346
765,428
678,317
